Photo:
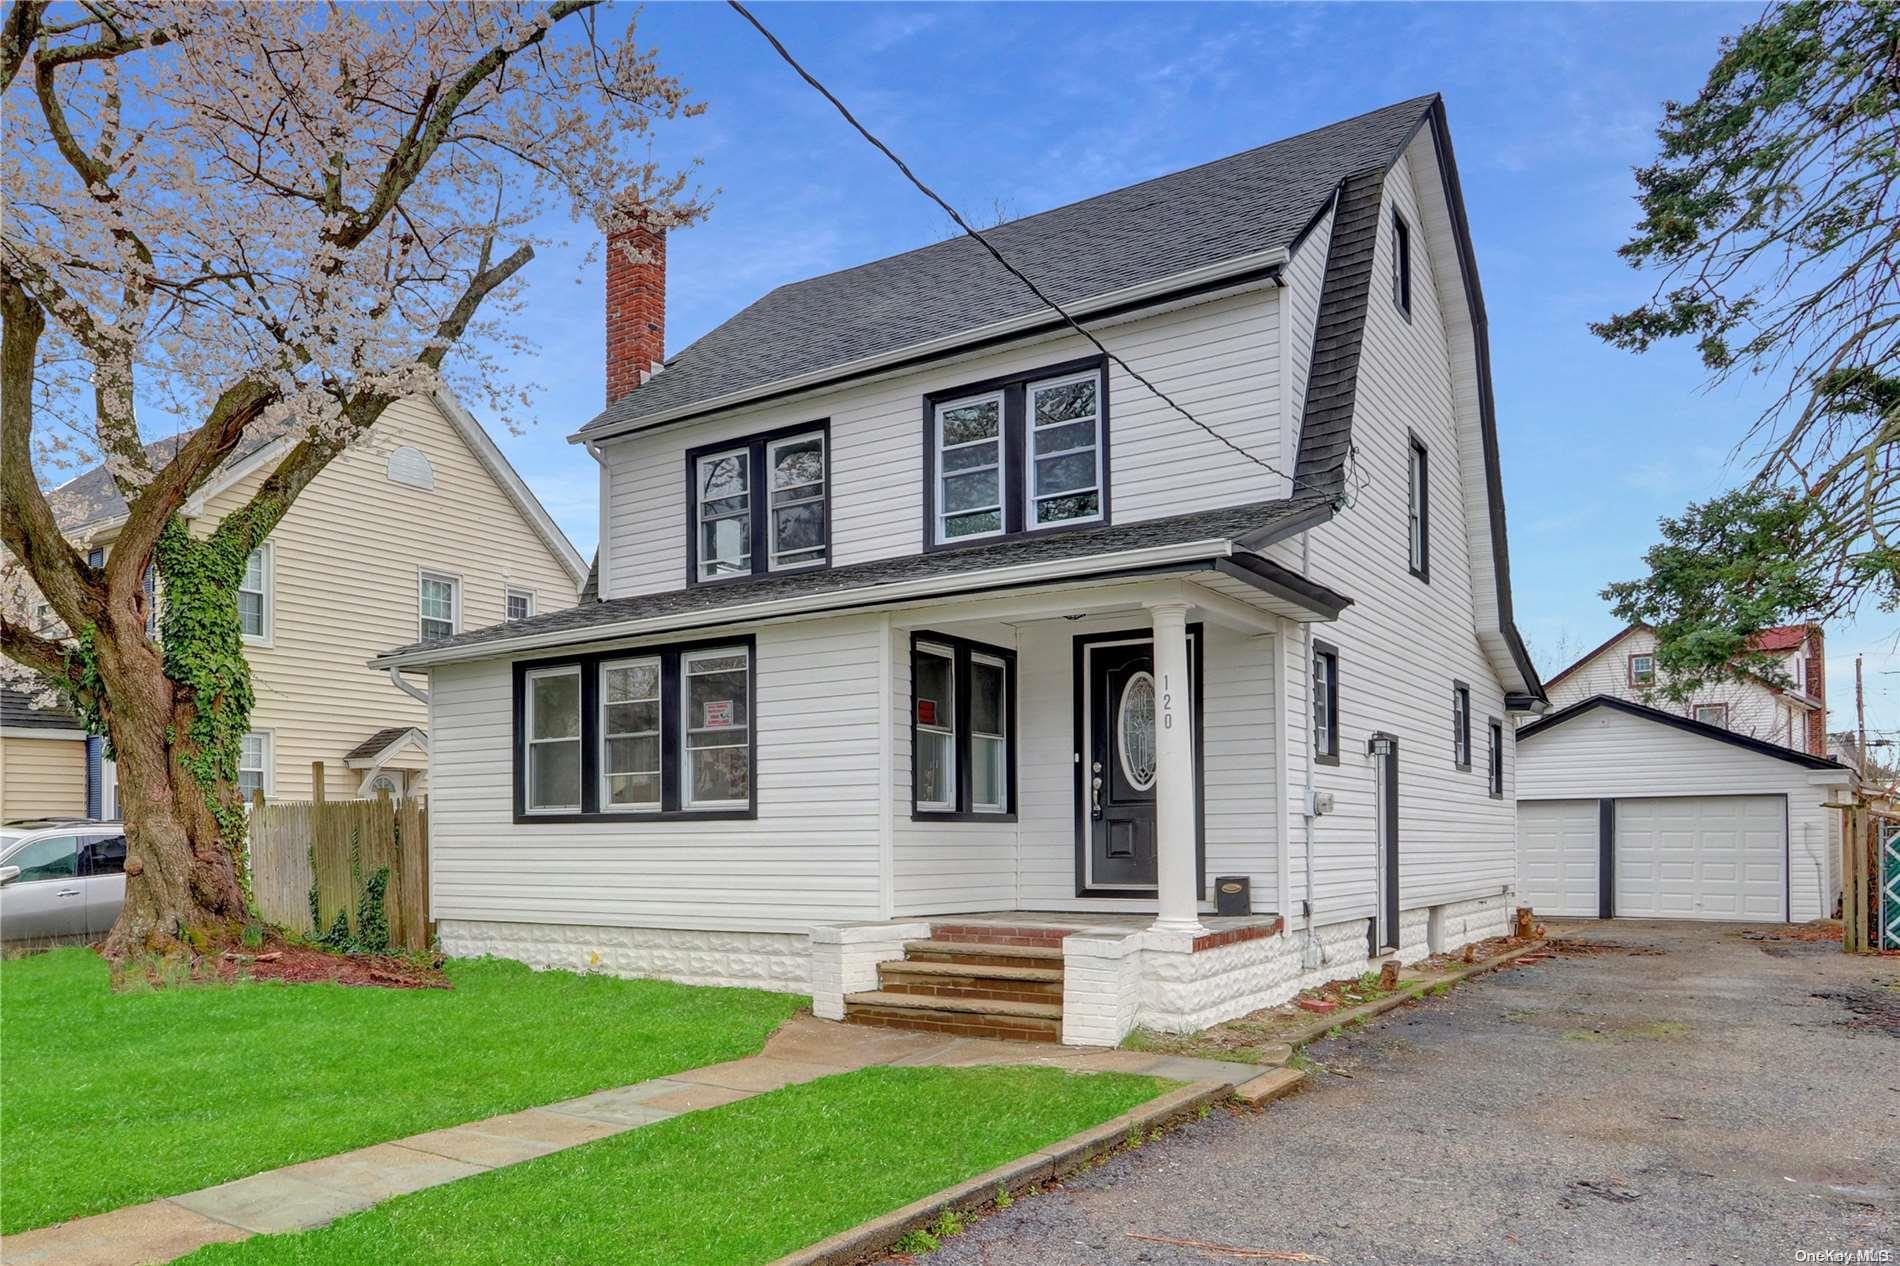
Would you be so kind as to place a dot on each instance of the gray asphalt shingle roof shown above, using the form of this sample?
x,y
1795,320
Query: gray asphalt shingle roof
x,y
18,713
375,743
94,498
1254,201
691,604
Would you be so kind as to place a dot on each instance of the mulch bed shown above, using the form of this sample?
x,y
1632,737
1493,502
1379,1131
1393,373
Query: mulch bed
x,y
305,965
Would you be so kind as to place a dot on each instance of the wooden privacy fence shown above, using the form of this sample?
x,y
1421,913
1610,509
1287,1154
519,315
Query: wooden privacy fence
x,y
329,858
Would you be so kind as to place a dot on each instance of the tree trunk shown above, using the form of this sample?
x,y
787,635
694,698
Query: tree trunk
x,y
182,872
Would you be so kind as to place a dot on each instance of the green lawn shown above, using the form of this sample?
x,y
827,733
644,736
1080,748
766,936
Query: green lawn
x,y
730,1186
112,1099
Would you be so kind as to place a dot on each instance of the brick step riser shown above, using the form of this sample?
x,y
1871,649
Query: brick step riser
x,y
991,991
976,960
996,1028
985,934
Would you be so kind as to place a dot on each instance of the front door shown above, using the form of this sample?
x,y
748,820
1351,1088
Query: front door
x,y
1120,778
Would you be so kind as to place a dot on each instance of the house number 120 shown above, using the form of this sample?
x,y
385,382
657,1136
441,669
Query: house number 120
x,y
1167,704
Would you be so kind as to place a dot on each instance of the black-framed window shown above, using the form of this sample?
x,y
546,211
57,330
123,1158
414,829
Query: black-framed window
x,y
759,504
656,732
1496,728
1401,264
1028,453
963,729
1325,703
1418,510
1461,724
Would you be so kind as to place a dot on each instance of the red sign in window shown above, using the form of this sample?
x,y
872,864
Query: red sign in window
x,y
718,714
926,712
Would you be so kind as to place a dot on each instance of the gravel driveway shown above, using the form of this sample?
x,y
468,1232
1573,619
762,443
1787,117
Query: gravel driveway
x,y
1686,1095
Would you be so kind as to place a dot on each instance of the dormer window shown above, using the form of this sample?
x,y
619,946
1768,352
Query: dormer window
x,y
1023,454
759,504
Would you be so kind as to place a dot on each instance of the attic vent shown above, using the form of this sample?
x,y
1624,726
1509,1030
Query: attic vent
x,y
409,466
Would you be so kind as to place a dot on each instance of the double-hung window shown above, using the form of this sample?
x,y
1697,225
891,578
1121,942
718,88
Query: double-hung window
x,y
1642,670
1461,724
1402,264
253,596
962,728
760,504
441,600
1418,510
1497,758
253,767
1014,455
660,732
1325,703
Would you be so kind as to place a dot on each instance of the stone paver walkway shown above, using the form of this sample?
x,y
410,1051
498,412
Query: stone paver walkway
x,y
316,1192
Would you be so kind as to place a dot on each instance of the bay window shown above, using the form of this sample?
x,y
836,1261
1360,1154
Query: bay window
x,y
759,504
1023,454
962,729
659,732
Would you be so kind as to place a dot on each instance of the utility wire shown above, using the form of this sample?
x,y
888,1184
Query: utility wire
x,y
1013,271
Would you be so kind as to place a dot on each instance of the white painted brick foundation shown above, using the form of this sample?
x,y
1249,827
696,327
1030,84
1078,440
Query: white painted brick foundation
x,y
779,961
844,959
1101,987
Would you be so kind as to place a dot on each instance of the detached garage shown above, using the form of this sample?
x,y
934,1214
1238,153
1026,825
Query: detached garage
x,y
1629,812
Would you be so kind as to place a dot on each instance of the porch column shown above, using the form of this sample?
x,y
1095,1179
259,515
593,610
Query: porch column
x,y
1177,878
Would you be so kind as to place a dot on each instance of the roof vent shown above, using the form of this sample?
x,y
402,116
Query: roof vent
x,y
409,466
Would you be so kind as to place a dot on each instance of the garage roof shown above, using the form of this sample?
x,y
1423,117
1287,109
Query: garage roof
x,y
1693,726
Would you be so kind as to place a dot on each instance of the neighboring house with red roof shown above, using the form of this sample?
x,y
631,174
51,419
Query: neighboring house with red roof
x,y
1794,715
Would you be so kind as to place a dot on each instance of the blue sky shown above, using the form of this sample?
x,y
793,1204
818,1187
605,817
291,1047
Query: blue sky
x,y
1024,107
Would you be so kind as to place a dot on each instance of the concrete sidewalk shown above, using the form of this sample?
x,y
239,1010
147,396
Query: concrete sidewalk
x,y
316,1192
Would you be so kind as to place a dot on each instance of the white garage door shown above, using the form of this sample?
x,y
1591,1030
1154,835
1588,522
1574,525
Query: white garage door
x,y
1702,857
1557,856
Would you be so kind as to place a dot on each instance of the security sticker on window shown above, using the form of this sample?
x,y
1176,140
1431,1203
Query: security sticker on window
x,y
718,713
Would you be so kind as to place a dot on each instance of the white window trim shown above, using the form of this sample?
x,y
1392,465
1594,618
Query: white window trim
x,y
659,699
1030,523
510,592
529,740
1723,708
269,636
455,601
1416,490
824,500
686,750
948,731
939,537
270,761
744,453
1002,715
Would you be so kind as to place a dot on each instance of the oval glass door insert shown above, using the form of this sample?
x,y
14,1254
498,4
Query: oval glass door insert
x,y
1135,731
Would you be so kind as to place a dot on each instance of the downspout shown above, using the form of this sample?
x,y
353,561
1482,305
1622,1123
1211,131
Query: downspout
x,y
417,693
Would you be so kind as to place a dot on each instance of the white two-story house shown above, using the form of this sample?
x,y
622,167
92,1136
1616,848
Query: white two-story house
x,y
968,671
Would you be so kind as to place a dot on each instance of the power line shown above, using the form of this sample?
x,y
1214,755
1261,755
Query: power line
x,y
1013,271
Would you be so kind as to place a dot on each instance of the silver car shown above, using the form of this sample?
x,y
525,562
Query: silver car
x,y
60,879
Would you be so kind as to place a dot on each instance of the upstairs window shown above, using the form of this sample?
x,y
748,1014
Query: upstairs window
x,y
1325,703
1497,758
254,597
1642,670
1712,714
1461,725
441,602
760,504
1401,264
1418,511
962,729
518,605
1023,454
253,771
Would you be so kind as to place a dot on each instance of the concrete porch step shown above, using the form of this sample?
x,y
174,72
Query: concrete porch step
x,y
985,981
972,954
969,1006
964,1017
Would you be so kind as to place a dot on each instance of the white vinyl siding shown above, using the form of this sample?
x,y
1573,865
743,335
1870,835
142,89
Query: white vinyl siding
x,y
1217,358
809,857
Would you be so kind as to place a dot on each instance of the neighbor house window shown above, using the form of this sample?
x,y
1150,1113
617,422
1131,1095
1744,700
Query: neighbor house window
x,y
519,604
254,596
761,504
1401,264
1461,725
962,728
1015,455
553,721
1642,670
441,599
1496,766
1418,510
253,771
1712,714
659,732
1325,703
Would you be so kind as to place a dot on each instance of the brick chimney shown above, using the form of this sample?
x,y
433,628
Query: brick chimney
x,y
1817,689
636,308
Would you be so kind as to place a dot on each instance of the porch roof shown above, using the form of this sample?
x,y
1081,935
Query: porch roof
x,y
1226,538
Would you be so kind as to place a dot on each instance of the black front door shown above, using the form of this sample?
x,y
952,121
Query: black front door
x,y
1120,778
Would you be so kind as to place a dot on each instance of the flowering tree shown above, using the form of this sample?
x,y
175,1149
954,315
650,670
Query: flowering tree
x,y
268,220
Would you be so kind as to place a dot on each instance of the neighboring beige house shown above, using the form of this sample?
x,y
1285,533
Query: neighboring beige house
x,y
422,529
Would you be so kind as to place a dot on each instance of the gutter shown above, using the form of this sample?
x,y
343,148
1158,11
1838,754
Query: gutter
x,y
1030,322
